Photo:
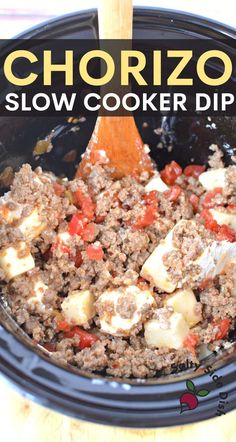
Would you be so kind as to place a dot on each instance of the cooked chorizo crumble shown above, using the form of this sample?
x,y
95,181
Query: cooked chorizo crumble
x,y
124,277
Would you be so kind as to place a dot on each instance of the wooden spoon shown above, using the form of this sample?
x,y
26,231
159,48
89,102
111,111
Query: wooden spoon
x,y
117,136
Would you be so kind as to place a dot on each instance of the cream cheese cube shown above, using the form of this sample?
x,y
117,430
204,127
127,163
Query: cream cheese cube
x,y
172,337
224,217
215,258
12,264
62,243
213,178
115,323
39,290
9,215
157,184
184,302
210,263
154,269
78,307
31,226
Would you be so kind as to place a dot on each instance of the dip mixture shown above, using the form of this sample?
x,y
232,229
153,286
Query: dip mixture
x,y
126,277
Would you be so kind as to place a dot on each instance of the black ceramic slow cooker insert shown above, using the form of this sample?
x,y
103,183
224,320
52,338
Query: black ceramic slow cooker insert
x,y
120,402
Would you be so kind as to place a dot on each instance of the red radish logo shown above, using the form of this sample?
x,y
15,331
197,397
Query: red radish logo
x,y
189,400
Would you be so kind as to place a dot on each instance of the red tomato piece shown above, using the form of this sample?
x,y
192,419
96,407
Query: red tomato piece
x,y
206,284
191,342
85,339
95,252
77,224
86,204
210,223
207,202
58,189
173,193
194,170
223,326
150,198
61,246
226,233
171,172
223,232
78,259
88,234
194,200
146,219
63,326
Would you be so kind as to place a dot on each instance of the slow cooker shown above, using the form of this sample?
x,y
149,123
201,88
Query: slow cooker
x,y
119,402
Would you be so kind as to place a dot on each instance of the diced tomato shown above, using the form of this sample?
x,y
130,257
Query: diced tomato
x,y
173,193
223,232
50,346
171,172
77,224
206,283
78,259
207,202
85,339
63,326
194,170
115,365
88,234
231,206
226,233
86,204
64,248
223,326
146,219
61,246
58,189
150,212
210,223
191,342
194,200
95,252
150,198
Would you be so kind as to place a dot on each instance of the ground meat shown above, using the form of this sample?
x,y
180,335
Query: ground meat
x,y
189,240
126,306
144,362
65,351
94,358
113,207
230,188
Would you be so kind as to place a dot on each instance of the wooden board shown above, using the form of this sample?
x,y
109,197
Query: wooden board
x,y
25,421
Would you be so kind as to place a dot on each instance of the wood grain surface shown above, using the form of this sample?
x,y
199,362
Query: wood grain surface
x,y
25,421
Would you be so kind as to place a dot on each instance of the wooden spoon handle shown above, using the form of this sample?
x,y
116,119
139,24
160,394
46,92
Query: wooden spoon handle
x,y
115,18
